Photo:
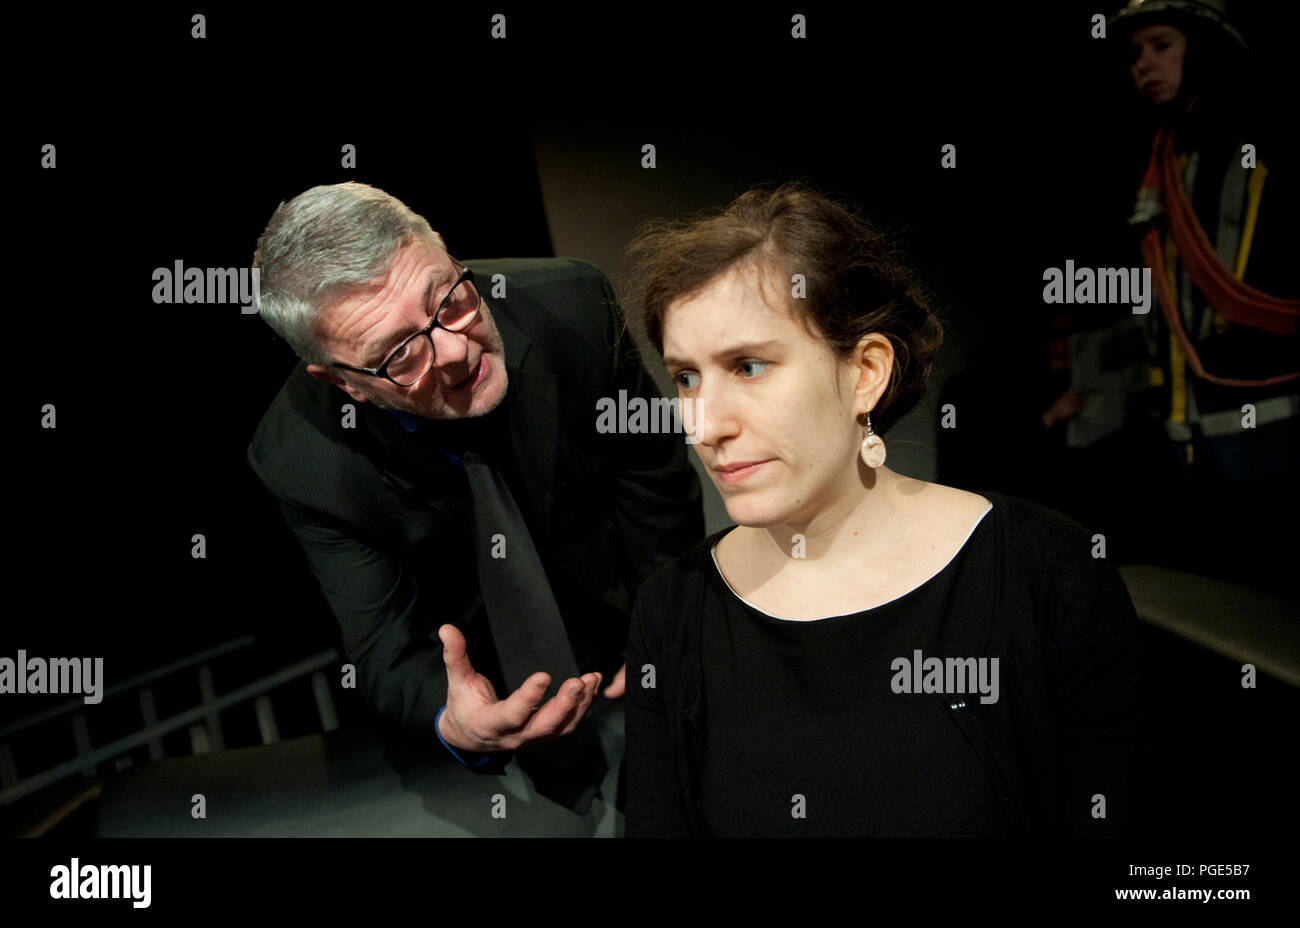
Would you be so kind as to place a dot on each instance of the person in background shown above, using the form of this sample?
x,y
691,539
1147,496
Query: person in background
x,y
1211,413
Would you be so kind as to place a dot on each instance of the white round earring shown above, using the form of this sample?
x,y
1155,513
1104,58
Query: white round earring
x,y
873,447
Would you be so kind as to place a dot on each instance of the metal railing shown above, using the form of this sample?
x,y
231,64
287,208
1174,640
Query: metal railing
x,y
203,720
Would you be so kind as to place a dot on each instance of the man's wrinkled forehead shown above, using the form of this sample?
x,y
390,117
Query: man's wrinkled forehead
x,y
430,244
416,250
417,263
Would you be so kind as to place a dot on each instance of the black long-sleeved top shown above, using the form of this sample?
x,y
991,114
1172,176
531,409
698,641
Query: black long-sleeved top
x,y
756,725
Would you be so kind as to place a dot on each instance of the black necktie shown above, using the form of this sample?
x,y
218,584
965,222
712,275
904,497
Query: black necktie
x,y
529,634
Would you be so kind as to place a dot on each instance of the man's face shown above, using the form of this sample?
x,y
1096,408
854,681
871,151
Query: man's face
x,y
1157,55
468,376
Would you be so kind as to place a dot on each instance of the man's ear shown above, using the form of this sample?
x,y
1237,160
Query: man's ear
x,y
873,363
324,373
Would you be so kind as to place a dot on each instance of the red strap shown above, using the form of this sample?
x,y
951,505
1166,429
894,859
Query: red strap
x,y
1153,254
1235,300
1238,301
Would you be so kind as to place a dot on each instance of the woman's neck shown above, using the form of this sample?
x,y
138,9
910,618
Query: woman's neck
x,y
860,526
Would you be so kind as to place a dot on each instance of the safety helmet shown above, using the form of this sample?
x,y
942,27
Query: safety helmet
x,y
1141,13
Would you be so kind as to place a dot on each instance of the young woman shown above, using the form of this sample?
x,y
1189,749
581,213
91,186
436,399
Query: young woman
x,y
863,653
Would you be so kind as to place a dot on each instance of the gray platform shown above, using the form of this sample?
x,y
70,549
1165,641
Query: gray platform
x,y
345,784
1238,622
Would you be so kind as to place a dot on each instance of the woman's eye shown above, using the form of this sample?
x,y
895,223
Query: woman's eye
x,y
752,368
684,380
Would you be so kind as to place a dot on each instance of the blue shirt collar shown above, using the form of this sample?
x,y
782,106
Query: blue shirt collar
x,y
408,421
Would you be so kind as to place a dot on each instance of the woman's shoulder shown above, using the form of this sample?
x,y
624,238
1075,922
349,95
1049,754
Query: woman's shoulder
x,y
1037,528
1030,539
665,588
1029,513
1033,527
1064,566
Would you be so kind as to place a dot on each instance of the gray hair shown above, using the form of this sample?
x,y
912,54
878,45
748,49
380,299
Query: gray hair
x,y
323,244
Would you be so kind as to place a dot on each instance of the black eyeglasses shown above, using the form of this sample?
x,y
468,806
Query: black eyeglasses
x,y
413,358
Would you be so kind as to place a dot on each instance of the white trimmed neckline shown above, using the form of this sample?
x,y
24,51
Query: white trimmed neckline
x,y
718,567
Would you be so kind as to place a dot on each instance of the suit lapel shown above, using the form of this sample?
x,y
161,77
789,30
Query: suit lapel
x,y
533,402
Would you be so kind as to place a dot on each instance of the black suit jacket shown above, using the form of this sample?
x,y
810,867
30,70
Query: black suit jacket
x,y
388,536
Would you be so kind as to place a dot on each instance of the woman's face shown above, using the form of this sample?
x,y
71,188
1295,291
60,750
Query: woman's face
x,y
1157,56
771,411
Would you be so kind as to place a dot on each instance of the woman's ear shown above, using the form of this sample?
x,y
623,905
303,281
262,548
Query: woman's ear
x,y
873,363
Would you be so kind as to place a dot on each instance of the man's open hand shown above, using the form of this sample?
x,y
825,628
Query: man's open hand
x,y
476,720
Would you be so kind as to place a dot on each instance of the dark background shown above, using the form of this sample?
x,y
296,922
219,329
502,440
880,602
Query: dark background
x,y
174,148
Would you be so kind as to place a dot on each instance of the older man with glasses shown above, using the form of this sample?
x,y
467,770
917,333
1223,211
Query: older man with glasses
x,y
453,496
